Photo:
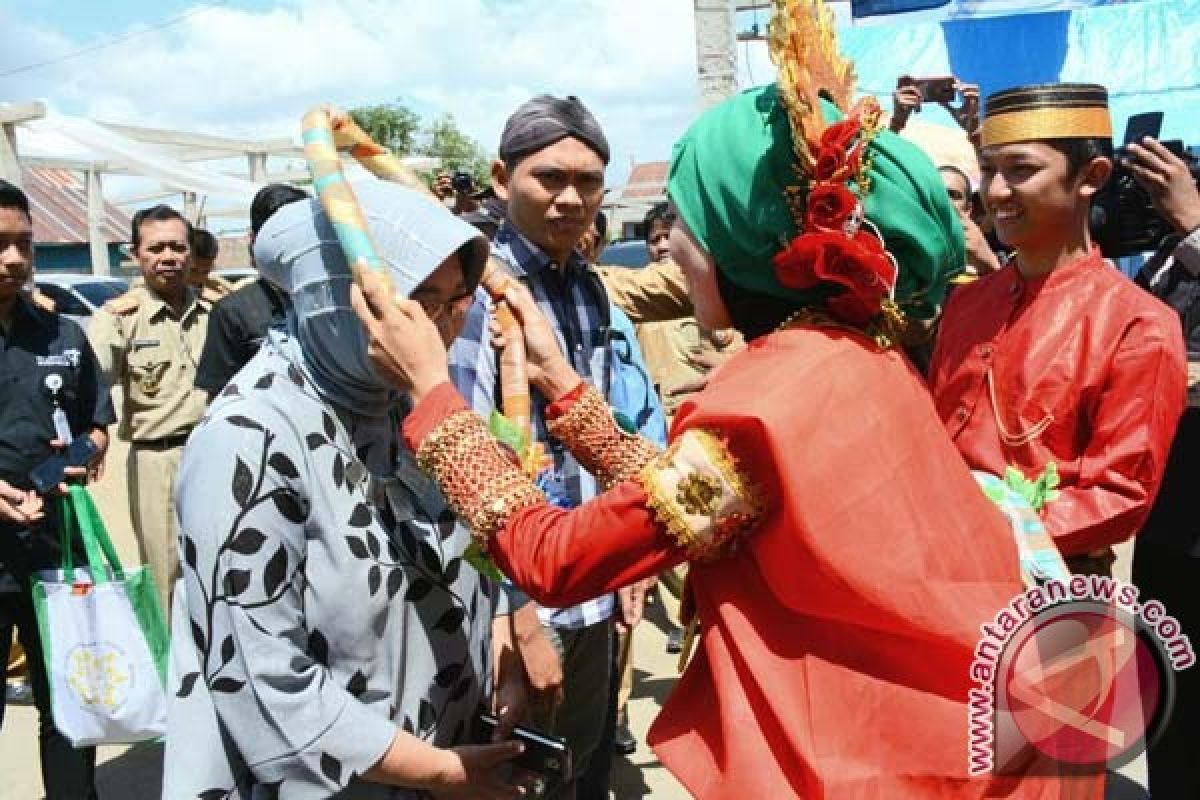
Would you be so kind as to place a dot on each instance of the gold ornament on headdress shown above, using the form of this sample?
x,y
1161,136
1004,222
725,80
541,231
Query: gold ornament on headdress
x,y
802,40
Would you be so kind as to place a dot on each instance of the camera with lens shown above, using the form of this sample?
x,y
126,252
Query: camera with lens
x,y
1125,220
462,182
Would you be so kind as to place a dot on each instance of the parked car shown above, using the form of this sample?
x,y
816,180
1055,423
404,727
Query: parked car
x,y
626,253
77,295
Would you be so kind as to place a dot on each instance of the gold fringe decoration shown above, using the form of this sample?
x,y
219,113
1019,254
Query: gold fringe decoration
x,y
802,40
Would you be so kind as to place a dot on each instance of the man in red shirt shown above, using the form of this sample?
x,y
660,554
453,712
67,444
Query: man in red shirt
x,y
1057,366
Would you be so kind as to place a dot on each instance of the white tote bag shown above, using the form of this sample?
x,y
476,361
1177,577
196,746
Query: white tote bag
x,y
104,639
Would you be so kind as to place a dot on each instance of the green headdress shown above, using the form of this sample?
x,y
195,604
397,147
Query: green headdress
x,y
838,216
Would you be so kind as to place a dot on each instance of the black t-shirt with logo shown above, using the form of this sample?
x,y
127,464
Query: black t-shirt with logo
x,y
39,351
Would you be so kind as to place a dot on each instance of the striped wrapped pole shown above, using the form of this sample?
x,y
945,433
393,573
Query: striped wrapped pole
x,y
326,132
336,196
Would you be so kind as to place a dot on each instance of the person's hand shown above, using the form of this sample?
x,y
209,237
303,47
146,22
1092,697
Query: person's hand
x,y
443,186
979,253
1168,180
20,506
905,100
510,695
966,113
632,600
405,348
473,771
96,466
549,370
540,657
708,360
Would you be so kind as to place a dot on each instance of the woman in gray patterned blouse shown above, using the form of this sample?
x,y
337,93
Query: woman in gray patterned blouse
x,y
329,641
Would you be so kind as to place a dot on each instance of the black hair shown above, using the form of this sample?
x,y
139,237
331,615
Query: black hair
x,y
601,225
753,313
1080,152
659,212
270,199
159,213
204,244
11,196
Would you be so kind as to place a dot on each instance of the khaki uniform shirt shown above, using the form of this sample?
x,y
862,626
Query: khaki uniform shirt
x,y
653,293
151,354
666,347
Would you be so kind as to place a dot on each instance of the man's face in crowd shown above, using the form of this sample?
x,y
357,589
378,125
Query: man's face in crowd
x,y
553,195
445,298
658,240
199,271
164,255
16,251
1031,195
958,189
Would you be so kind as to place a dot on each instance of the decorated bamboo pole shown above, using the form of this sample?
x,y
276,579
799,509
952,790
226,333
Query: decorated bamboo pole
x,y
326,132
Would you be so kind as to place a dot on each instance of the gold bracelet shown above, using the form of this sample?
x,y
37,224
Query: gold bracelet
x,y
480,481
601,447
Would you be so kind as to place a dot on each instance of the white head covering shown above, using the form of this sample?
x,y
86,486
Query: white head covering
x,y
297,250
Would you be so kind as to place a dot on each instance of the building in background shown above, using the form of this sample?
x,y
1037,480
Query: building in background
x,y
58,200
646,186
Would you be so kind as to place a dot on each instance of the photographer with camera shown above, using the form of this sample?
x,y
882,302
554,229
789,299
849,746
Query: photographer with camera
x,y
51,387
911,93
1166,562
461,187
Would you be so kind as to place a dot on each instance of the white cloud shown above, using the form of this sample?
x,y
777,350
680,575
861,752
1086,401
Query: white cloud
x,y
251,73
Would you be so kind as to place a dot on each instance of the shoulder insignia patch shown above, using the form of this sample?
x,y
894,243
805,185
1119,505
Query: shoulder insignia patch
x,y
125,304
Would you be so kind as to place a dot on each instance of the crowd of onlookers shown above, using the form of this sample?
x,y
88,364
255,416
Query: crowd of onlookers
x,y
178,338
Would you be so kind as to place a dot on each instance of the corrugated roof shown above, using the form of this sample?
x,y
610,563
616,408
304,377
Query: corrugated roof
x,y
646,180
58,200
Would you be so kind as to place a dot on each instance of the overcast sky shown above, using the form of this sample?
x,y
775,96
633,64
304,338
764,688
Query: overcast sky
x,y
251,67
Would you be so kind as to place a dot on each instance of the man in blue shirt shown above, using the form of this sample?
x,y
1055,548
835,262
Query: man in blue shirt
x,y
551,173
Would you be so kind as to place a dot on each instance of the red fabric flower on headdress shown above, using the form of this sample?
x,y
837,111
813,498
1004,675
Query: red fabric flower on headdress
x,y
858,264
829,206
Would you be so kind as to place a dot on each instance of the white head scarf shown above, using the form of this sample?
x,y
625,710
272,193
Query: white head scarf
x,y
297,250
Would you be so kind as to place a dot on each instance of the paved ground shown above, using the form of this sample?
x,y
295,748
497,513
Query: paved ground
x,y
134,773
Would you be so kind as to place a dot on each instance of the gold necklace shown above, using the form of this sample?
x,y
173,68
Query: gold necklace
x,y
885,330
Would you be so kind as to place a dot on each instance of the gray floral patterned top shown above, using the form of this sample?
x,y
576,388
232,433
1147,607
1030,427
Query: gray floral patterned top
x,y
322,606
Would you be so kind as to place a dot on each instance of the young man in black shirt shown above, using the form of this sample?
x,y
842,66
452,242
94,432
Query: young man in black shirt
x,y
239,321
45,364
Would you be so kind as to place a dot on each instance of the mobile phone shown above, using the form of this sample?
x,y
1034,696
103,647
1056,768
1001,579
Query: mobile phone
x,y
544,754
937,89
50,473
1148,123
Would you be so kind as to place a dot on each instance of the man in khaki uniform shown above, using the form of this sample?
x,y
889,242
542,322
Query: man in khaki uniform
x,y
148,341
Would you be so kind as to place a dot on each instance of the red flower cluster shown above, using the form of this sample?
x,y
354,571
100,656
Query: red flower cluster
x,y
833,249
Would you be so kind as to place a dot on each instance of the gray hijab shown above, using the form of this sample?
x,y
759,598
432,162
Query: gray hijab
x,y
297,251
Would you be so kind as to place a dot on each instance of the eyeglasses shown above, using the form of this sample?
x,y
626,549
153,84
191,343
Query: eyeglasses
x,y
449,309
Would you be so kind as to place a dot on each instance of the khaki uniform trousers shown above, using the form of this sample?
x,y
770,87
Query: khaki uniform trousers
x,y
151,478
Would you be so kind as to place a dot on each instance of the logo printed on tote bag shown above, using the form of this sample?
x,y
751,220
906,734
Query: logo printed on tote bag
x,y
99,674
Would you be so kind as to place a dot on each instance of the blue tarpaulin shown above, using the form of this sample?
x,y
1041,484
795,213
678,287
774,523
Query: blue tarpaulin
x,y
965,9
1146,53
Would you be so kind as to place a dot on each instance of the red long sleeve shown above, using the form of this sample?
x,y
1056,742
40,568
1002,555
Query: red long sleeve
x,y
561,557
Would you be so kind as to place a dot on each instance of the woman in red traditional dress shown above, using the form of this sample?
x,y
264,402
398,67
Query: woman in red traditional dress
x,y
842,557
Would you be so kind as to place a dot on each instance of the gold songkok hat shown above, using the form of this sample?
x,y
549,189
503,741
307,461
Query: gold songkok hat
x,y
1046,111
